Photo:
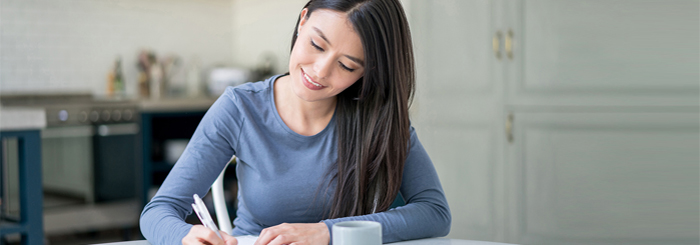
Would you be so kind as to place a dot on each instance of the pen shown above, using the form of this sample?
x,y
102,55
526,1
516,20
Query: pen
x,y
203,214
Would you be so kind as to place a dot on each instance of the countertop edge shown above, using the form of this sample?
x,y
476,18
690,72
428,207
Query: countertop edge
x,y
15,118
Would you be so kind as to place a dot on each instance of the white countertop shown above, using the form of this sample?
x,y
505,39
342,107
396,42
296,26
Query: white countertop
x,y
22,118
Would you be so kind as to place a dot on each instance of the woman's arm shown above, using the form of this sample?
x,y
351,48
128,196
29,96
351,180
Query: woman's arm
x,y
426,213
209,149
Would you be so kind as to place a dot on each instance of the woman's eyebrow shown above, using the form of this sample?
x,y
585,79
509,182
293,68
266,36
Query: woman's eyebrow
x,y
320,33
354,59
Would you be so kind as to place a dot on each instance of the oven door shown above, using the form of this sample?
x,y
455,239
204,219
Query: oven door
x,y
67,161
115,161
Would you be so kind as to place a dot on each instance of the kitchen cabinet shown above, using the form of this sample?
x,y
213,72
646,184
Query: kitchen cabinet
x,y
29,223
21,197
604,178
562,122
158,128
457,110
169,122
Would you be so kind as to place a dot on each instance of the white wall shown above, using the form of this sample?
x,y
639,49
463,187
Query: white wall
x,y
51,46
262,27
54,46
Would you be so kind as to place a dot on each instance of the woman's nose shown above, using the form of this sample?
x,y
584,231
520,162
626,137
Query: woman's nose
x,y
322,67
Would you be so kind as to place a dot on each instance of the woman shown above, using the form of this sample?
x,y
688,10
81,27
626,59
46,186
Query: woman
x,y
330,141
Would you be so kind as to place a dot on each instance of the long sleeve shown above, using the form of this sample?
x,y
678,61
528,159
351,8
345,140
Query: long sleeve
x,y
209,149
279,174
426,213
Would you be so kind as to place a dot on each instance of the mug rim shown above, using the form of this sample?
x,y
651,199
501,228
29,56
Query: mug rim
x,y
357,224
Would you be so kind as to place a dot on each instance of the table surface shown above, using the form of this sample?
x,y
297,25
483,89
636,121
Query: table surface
x,y
429,241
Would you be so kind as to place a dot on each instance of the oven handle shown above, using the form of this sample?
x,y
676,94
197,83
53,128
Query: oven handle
x,y
68,132
118,129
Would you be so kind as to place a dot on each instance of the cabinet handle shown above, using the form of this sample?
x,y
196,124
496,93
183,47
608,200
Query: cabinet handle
x,y
509,44
509,128
496,42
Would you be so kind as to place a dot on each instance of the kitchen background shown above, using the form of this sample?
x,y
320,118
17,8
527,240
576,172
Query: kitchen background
x,y
68,46
549,122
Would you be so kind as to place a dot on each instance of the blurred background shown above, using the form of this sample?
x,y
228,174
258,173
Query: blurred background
x,y
548,121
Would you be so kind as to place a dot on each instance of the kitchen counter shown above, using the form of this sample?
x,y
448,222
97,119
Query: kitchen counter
x,y
176,104
21,118
30,117
23,124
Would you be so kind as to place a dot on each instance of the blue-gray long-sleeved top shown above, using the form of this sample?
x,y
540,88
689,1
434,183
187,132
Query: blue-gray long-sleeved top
x,y
282,176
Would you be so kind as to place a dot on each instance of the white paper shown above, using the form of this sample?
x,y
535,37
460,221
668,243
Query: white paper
x,y
246,240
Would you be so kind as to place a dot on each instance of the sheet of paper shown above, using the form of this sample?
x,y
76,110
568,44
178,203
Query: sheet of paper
x,y
246,240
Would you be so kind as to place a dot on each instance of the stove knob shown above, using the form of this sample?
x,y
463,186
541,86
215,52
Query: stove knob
x,y
106,115
128,114
94,116
117,115
63,115
83,116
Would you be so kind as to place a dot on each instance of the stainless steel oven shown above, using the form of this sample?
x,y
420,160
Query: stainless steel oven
x,y
88,146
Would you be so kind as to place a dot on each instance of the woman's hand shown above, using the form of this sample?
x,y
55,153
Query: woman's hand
x,y
201,235
295,234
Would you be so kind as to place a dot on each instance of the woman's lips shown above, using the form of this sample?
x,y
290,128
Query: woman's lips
x,y
309,83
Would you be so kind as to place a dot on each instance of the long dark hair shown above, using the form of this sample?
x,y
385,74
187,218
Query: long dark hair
x,y
372,114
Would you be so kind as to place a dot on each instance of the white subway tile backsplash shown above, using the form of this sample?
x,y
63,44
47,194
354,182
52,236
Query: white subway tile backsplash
x,y
70,45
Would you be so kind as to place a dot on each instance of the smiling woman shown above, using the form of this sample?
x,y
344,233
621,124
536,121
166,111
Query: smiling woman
x,y
327,61
329,141
323,59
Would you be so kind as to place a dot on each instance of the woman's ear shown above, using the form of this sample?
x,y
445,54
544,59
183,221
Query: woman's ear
x,y
302,18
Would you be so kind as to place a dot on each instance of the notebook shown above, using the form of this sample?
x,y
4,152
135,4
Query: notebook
x,y
246,240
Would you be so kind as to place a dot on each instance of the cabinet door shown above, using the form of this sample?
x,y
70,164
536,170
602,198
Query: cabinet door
x,y
457,109
605,53
605,178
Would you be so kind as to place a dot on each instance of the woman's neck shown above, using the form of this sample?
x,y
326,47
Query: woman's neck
x,y
303,117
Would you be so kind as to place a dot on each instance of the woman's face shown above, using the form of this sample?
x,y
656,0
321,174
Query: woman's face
x,y
327,57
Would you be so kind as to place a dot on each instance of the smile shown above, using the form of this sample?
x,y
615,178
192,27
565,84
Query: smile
x,y
309,83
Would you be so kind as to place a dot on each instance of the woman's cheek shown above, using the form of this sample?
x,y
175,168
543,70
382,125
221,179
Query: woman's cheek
x,y
299,54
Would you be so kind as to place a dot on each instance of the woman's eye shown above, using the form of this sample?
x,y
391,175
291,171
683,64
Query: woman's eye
x,y
345,67
316,46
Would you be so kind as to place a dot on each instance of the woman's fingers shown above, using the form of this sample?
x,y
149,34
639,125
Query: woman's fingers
x,y
201,235
297,234
281,240
228,239
268,234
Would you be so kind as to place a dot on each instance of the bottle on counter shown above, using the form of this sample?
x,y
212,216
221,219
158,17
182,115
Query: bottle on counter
x,y
119,87
146,59
156,73
110,83
115,79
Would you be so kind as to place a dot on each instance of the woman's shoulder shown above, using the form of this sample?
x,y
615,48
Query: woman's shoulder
x,y
252,87
248,97
259,90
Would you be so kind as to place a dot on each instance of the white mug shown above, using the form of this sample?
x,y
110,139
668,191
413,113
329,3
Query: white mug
x,y
357,233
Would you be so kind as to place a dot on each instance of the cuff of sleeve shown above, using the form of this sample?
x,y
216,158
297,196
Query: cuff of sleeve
x,y
329,224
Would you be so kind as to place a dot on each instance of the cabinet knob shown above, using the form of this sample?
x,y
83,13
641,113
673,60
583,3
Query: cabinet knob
x,y
509,128
496,42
